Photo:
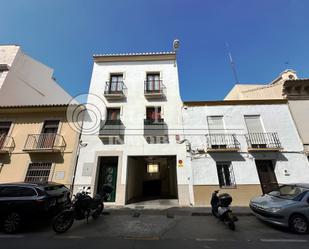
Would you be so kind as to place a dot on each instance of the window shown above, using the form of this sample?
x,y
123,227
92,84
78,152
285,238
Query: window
x,y
50,126
153,113
16,191
116,83
215,124
113,114
38,172
153,82
225,174
254,124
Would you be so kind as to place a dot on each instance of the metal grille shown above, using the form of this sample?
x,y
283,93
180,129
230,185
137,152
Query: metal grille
x,y
38,172
225,174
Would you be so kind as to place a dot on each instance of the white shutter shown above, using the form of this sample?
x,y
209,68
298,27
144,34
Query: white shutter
x,y
215,124
254,124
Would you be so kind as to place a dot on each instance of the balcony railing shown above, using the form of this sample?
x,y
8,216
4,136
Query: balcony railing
x,y
115,90
154,89
263,141
7,144
112,128
45,142
155,127
222,142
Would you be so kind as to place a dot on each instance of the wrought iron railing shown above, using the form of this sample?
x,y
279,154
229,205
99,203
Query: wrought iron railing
x,y
268,140
155,127
154,87
7,143
115,88
158,121
45,142
222,141
112,128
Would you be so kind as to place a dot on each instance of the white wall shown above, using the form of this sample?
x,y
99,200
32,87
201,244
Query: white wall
x,y
28,82
133,113
291,164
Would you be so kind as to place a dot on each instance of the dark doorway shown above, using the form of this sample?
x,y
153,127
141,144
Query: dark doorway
x,y
151,178
267,175
108,167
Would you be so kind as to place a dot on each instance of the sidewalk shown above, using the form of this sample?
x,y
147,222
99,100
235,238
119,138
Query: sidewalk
x,y
170,211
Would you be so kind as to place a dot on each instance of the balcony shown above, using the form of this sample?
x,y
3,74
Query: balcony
x,y
154,89
7,144
44,142
263,142
115,90
222,143
112,128
155,127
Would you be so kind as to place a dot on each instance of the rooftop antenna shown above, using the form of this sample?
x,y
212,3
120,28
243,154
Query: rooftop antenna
x,y
176,44
232,63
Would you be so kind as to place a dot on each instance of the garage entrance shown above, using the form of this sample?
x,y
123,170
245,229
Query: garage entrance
x,y
151,178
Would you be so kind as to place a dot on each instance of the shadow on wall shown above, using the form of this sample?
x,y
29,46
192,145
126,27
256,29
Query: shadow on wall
x,y
50,157
5,158
274,156
227,156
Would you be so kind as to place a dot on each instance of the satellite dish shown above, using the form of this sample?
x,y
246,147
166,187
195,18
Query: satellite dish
x,y
176,44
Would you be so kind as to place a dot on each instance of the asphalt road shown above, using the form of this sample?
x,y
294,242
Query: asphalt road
x,y
157,231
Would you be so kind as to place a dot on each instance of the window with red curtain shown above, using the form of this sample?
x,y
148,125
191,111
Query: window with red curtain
x,y
113,114
153,113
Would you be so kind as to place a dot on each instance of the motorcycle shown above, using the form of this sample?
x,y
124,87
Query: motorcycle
x,y
81,207
220,207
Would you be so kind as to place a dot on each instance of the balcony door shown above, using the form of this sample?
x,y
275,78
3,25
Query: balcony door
x,y
256,131
153,83
48,135
216,132
4,131
266,172
116,83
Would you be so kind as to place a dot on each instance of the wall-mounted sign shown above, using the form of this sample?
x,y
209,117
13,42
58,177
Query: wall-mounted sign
x,y
180,163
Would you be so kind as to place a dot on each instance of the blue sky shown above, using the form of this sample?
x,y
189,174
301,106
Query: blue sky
x,y
265,37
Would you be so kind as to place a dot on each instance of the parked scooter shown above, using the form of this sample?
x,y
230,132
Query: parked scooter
x,y
220,207
82,207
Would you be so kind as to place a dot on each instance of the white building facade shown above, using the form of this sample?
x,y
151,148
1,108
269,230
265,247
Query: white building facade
x,y
26,81
136,148
244,148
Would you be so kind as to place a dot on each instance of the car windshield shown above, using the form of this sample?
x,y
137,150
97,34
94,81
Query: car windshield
x,y
289,192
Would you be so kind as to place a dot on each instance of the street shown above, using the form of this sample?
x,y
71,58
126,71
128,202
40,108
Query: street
x,y
157,231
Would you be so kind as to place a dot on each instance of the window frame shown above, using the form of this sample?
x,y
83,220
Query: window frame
x,y
51,170
223,172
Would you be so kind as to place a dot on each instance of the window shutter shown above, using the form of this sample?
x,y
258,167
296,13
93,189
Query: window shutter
x,y
254,124
215,124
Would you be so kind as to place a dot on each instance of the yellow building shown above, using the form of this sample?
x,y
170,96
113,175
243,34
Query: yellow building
x,y
37,143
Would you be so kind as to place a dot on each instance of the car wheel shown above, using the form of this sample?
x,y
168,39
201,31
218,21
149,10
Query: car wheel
x,y
12,222
299,224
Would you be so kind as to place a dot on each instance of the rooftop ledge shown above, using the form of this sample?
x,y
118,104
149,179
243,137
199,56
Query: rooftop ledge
x,y
152,56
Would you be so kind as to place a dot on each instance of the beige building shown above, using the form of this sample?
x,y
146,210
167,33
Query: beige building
x,y
37,143
286,86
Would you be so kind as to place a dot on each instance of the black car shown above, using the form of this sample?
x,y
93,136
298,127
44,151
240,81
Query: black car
x,y
21,202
